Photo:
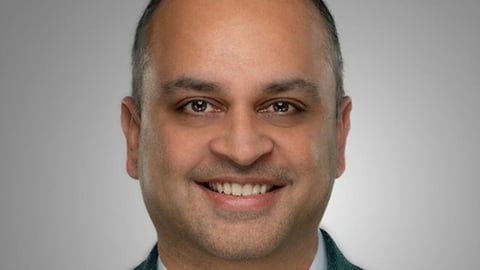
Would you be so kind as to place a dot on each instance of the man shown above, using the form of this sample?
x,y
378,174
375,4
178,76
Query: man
x,y
236,130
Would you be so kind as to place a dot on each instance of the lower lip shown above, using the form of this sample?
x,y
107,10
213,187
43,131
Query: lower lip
x,y
242,203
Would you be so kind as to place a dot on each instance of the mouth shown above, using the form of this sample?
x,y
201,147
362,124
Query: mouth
x,y
240,190
243,194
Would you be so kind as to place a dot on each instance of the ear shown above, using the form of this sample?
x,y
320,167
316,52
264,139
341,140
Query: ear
x,y
343,127
131,130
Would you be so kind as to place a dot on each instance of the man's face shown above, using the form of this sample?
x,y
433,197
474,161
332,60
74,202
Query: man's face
x,y
238,144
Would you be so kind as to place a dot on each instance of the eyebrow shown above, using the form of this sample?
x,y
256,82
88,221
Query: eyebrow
x,y
296,84
188,83
276,87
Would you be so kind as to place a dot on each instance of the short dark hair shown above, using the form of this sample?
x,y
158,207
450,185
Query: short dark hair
x,y
141,57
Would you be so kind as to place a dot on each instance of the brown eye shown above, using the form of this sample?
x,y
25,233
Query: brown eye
x,y
281,107
200,106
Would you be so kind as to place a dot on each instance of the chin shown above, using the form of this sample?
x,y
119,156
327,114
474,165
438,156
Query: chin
x,y
242,249
243,243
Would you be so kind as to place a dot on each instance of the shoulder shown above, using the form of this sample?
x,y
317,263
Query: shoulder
x,y
151,262
335,259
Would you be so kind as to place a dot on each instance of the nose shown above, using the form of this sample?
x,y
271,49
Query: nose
x,y
242,140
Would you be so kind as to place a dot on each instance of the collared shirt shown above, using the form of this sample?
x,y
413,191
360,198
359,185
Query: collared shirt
x,y
319,262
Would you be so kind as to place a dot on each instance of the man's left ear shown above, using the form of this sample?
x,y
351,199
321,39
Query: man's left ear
x,y
343,127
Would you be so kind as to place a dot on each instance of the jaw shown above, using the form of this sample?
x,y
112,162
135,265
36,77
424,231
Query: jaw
x,y
242,239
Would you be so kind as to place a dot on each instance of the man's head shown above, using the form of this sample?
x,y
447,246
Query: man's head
x,y
239,141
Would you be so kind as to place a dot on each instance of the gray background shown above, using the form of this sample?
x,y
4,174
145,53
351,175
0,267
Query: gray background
x,y
409,198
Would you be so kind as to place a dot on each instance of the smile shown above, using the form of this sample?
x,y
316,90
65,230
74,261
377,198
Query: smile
x,y
242,194
236,189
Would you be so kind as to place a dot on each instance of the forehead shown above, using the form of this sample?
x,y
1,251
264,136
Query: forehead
x,y
217,11
247,40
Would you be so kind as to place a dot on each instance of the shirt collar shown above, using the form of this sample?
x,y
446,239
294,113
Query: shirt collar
x,y
319,262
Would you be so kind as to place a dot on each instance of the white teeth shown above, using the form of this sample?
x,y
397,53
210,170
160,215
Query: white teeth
x,y
247,190
227,189
256,190
263,189
219,188
236,189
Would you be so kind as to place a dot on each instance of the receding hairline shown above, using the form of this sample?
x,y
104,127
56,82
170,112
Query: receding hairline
x,y
141,54
313,16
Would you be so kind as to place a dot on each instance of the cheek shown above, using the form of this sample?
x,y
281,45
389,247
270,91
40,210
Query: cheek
x,y
307,149
167,156
171,153
309,156
312,157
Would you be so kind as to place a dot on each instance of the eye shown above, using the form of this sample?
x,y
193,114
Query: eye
x,y
281,107
199,106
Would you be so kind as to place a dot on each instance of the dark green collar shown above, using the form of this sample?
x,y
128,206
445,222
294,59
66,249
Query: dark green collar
x,y
335,258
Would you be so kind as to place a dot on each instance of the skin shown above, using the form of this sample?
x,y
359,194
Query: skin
x,y
240,58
